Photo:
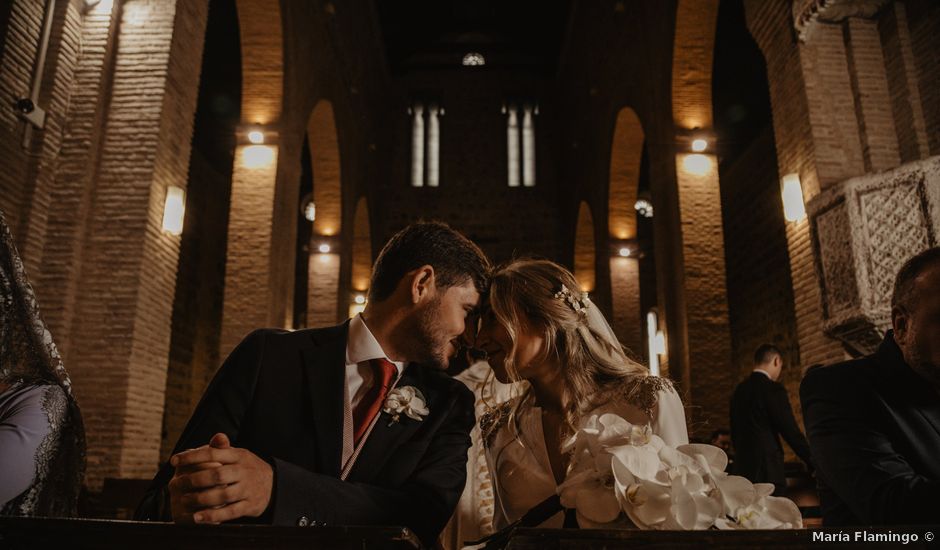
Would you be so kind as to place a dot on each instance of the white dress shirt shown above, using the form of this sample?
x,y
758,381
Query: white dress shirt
x,y
361,347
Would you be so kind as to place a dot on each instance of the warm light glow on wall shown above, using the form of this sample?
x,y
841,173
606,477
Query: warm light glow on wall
x,y
794,209
257,156
174,209
697,164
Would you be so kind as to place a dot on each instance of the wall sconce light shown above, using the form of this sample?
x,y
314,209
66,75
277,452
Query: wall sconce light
x,y
699,145
644,208
99,5
256,137
174,208
474,59
794,209
308,208
626,248
324,248
656,341
358,304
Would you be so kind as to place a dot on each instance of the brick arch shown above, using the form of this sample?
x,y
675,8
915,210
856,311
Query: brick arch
x,y
262,44
626,153
584,251
361,248
324,156
692,63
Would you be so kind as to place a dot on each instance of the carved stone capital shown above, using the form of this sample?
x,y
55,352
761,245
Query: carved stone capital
x,y
863,230
809,13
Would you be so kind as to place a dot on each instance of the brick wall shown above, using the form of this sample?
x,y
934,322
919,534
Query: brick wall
x,y
760,293
197,306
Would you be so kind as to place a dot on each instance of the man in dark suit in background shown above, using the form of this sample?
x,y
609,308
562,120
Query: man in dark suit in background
x,y
296,428
760,413
874,423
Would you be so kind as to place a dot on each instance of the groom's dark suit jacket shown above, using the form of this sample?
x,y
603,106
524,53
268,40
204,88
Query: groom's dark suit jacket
x,y
280,395
874,428
760,414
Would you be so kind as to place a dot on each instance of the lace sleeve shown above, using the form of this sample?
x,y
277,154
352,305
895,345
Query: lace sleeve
x,y
27,418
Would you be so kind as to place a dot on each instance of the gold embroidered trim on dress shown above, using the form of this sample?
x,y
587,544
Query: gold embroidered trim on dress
x,y
644,392
493,420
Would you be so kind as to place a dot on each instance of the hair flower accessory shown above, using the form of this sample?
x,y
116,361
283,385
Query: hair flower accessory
x,y
407,400
577,303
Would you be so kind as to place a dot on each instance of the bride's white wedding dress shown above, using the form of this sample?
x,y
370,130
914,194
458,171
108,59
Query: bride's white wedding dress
x,y
517,457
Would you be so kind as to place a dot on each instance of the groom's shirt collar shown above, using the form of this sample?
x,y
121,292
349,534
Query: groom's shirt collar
x,y
362,347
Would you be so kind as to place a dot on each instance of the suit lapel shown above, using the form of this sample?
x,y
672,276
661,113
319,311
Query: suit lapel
x,y
325,364
387,434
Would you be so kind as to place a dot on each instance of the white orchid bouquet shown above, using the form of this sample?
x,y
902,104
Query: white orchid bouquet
x,y
621,471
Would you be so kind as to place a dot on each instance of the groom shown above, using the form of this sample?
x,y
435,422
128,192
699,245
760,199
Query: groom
x,y
297,428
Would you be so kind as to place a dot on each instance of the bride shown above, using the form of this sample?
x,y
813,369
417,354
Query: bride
x,y
539,328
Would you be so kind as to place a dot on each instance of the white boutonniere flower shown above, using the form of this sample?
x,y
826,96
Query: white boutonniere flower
x,y
407,400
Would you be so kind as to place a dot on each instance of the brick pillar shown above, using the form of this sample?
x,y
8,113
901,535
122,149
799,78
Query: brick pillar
x,y
75,173
323,298
324,302
121,332
703,251
584,250
625,157
361,272
27,178
625,295
248,276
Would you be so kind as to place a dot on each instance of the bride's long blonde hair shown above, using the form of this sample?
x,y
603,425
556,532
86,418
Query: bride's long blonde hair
x,y
594,365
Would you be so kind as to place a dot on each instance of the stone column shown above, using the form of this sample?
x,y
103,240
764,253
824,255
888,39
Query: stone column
x,y
121,328
248,259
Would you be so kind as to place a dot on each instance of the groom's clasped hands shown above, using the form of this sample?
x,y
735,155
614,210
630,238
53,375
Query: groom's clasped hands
x,y
217,482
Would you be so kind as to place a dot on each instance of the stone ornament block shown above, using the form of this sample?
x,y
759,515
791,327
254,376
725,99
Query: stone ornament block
x,y
863,230
807,14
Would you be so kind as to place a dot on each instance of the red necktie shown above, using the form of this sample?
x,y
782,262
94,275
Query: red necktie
x,y
383,374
